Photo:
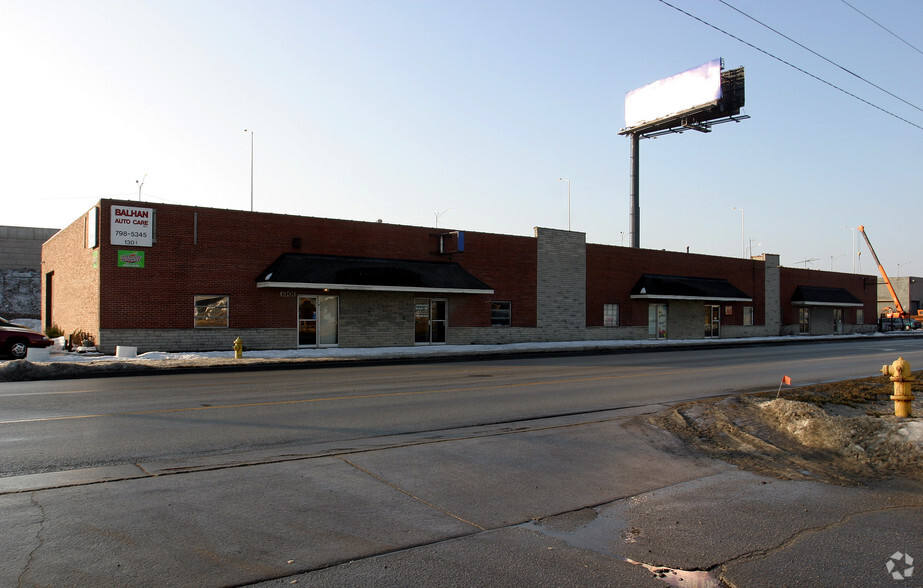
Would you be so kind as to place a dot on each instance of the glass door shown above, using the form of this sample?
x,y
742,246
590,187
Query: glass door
x,y
307,321
712,321
430,321
804,320
657,321
318,320
328,315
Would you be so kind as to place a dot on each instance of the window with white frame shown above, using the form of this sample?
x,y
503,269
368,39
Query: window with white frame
x,y
501,313
211,312
748,316
860,316
610,315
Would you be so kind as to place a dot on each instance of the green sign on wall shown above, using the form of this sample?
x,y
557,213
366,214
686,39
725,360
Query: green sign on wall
x,y
131,258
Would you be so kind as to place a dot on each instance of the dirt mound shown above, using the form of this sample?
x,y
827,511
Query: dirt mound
x,y
843,433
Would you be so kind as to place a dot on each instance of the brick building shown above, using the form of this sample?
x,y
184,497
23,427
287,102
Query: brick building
x,y
169,277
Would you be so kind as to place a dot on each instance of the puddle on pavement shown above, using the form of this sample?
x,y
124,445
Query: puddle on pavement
x,y
603,531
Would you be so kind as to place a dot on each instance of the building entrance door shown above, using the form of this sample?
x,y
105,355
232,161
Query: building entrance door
x,y
430,320
804,320
712,321
49,319
318,317
657,321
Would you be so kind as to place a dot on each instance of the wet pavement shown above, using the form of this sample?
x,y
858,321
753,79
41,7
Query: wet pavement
x,y
592,500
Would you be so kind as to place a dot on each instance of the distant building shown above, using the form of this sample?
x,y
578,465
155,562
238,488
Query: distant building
x,y
20,271
909,290
173,278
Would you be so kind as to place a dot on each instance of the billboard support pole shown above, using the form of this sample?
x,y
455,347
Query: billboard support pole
x,y
635,213
694,100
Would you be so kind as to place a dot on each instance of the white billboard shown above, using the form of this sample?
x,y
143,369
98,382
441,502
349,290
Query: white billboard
x,y
690,90
130,225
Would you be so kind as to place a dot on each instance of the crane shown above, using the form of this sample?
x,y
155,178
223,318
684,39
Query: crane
x,y
898,310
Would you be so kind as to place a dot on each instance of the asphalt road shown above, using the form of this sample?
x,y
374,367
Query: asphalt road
x,y
517,472
60,425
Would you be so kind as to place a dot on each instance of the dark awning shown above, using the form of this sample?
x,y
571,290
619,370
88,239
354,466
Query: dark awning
x,y
652,286
298,270
820,296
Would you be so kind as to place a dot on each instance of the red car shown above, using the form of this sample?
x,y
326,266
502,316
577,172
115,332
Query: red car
x,y
15,340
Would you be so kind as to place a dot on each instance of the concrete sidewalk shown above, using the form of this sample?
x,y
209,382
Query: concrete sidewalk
x,y
562,501
62,365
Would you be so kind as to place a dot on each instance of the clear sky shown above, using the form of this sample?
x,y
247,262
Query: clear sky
x,y
472,109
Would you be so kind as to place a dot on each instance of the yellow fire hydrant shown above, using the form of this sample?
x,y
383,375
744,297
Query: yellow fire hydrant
x,y
238,348
900,375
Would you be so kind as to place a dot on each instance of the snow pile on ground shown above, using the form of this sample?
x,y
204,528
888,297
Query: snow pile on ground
x,y
89,362
878,439
808,424
913,431
800,440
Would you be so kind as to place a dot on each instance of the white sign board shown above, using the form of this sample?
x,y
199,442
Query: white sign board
x,y
131,226
674,95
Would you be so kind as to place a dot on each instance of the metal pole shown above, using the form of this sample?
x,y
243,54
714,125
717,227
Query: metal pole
x,y
251,167
743,224
568,201
743,242
635,212
438,214
853,229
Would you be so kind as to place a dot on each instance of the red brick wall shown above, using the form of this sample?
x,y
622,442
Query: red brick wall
x,y
506,263
862,287
229,249
613,271
224,251
75,283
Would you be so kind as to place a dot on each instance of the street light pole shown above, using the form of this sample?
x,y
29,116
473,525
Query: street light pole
x,y
853,248
438,214
251,169
568,201
743,241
